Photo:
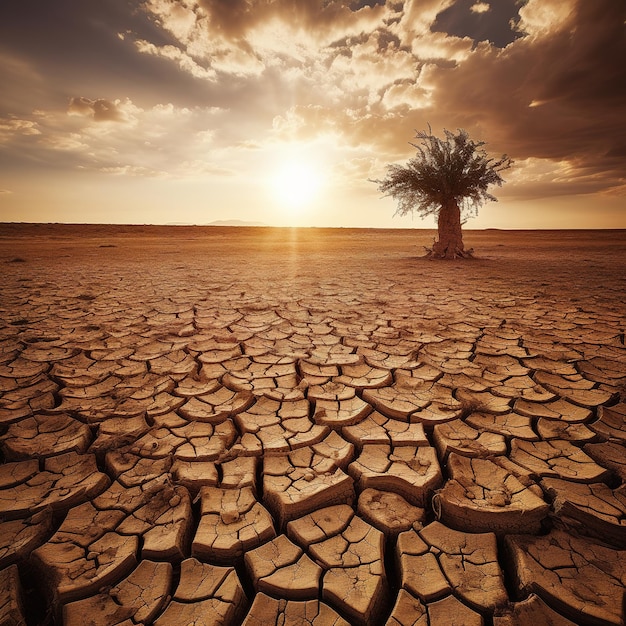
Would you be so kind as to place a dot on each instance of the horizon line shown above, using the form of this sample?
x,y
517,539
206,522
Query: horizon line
x,y
243,224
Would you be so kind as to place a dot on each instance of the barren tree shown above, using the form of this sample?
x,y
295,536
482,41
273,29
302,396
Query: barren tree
x,y
447,177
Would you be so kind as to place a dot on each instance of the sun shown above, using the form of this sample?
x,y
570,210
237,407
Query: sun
x,y
296,184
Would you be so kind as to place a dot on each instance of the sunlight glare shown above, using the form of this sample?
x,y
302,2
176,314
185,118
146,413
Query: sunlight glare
x,y
296,184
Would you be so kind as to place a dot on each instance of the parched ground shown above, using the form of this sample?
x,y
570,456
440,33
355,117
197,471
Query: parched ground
x,y
310,426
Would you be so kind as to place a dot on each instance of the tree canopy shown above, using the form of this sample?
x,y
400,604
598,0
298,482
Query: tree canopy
x,y
455,169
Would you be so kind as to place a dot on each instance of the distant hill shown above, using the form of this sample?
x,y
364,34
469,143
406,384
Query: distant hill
x,y
235,223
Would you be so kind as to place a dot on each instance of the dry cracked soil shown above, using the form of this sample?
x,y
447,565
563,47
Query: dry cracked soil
x,y
311,427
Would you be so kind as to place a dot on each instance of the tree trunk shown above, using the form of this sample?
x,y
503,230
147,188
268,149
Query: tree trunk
x,y
450,242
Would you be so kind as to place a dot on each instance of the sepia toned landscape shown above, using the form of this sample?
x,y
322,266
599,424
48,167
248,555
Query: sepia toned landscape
x,y
215,425
384,384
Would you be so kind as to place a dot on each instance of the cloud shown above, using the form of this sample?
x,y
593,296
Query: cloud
x,y
99,110
366,68
244,39
132,170
185,61
541,19
236,20
568,109
5,192
533,179
10,127
406,95
202,48
480,7
384,133
119,138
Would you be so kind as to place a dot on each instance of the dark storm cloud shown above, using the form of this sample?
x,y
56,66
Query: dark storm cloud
x,y
557,95
586,58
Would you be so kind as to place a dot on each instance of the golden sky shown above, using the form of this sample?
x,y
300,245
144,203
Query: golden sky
x,y
280,111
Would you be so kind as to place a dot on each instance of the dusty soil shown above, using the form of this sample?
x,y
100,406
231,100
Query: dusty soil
x,y
311,426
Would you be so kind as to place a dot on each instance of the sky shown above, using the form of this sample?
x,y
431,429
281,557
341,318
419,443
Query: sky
x,y
282,112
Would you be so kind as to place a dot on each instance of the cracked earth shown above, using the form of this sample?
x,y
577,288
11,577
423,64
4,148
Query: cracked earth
x,y
311,427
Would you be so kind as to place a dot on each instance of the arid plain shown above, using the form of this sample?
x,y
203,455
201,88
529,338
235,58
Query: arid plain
x,y
311,426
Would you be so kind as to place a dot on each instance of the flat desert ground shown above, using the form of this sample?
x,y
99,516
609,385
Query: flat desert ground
x,y
311,426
